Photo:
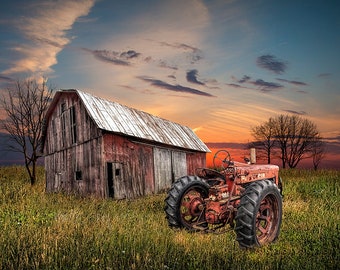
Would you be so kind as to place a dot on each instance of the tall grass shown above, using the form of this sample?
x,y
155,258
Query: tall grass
x,y
59,231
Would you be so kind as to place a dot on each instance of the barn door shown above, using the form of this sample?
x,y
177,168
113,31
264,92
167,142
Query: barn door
x,y
168,166
162,169
179,165
115,179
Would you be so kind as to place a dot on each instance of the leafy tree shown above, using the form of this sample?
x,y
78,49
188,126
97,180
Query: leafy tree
x,y
292,135
25,105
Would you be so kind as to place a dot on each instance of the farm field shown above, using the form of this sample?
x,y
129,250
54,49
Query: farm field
x,y
59,231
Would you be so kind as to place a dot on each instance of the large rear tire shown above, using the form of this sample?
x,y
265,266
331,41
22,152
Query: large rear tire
x,y
184,205
259,214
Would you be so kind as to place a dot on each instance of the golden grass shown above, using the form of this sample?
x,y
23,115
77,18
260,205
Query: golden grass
x,y
59,231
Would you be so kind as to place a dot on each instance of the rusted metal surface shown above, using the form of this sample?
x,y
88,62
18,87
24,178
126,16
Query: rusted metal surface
x,y
114,117
246,196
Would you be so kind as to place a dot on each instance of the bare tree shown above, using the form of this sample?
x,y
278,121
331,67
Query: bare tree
x,y
318,152
25,105
292,135
264,141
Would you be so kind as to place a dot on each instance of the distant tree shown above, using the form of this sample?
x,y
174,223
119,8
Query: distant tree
x,y
293,135
25,105
318,152
264,141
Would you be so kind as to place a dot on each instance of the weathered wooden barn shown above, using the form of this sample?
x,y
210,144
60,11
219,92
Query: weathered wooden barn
x,y
95,146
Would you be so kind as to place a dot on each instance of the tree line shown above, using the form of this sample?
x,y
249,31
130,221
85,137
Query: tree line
x,y
290,138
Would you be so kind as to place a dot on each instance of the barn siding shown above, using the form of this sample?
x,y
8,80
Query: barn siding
x,y
194,161
136,165
66,161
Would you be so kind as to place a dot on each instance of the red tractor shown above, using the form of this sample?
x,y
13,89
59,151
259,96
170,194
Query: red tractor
x,y
246,196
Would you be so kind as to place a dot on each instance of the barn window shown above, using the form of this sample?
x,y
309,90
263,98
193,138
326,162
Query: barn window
x,y
63,129
79,175
73,124
62,107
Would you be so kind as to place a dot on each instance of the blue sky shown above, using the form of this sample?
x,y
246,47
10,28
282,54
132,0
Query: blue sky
x,y
219,67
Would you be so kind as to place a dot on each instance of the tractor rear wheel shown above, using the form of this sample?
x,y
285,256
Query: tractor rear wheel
x,y
259,214
184,205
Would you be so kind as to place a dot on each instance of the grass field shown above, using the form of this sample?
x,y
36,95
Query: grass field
x,y
58,231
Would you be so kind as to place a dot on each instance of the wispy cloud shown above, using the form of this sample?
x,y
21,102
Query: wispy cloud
x,y
116,58
271,63
165,64
260,84
5,79
298,83
324,75
245,78
295,112
171,87
235,85
192,77
45,32
192,53
266,86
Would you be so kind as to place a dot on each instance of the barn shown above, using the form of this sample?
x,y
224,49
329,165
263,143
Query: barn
x,y
93,146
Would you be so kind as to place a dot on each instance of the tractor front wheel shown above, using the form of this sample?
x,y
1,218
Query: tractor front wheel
x,y
259,214
184,205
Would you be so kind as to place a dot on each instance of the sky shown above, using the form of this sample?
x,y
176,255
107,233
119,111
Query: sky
x,y
220,67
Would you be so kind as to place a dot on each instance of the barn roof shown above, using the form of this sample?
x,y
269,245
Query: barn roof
x,y
114,117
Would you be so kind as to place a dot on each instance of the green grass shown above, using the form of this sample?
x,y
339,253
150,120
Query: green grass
x,y
59,231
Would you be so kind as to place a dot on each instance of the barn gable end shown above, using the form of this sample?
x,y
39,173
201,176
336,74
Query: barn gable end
x,y
95,146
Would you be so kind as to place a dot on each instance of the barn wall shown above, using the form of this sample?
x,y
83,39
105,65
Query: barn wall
x,y
195,160
132,166
73,150
138,169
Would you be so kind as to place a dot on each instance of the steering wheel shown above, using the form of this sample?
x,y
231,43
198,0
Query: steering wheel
x,y
224,157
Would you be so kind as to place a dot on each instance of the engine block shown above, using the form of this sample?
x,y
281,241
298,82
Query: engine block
x,y
217,210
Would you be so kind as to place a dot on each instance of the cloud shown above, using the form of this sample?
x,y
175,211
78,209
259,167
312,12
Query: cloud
x,y
266,86
183,46
130,54
324,75
244,79
296,112
235,85
45,32
271,63
260,84
226,145
192,77
193,54
5,79
298,83
164,64
333,139
176,88
112,57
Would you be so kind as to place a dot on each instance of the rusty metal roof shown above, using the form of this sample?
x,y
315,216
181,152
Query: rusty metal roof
x,y
114,117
